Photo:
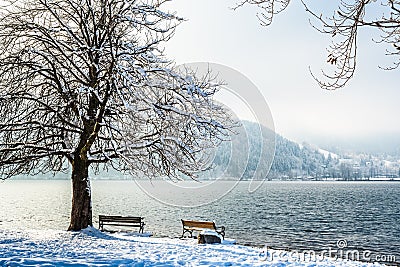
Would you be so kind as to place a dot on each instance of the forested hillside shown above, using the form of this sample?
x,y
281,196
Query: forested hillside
x,y
295,161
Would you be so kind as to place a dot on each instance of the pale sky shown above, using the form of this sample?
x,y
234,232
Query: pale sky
x,y
276,59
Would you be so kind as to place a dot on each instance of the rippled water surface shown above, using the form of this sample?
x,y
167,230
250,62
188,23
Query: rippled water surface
x,y
289,215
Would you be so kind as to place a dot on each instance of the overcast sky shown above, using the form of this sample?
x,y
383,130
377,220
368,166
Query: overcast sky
x,y
277,58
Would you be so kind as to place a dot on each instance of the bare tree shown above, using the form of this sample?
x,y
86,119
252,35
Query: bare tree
x,y
343,27
85,83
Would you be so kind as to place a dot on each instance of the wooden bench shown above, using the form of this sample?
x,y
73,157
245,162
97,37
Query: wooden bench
x,y
126,221
190,226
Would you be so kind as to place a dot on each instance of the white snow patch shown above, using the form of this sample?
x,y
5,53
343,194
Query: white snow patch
x,y
90,247
326,153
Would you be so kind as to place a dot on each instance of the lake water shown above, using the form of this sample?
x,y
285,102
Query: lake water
x,y
288,215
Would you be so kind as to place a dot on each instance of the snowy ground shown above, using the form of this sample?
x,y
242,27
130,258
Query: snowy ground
x,y
93,248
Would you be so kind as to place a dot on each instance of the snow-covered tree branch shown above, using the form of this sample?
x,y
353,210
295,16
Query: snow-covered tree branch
x,y
267,9
344,26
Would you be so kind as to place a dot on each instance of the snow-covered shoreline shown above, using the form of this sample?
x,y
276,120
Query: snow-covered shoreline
x,y
91,247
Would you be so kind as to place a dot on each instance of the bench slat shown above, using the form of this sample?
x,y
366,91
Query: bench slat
x,y
119,217
195,224
122,220
123,224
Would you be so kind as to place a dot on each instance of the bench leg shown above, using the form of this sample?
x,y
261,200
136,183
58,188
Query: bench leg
x,y
222,233
183,233
187,231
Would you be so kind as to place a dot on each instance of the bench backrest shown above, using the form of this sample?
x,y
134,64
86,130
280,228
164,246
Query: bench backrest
x,y
199,224
121,219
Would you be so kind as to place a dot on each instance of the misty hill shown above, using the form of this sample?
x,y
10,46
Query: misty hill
x,y
284,158
290,160
372,144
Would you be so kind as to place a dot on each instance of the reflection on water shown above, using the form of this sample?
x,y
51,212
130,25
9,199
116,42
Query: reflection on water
x,y
293,215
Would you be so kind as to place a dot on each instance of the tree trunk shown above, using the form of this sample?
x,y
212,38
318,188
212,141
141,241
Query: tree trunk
x,y
81,214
